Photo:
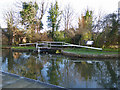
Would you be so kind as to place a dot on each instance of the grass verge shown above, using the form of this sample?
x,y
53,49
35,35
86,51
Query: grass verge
x,y
90,51
23,47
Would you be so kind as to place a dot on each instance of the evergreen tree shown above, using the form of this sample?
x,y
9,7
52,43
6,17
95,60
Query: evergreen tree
x,y
85,27
28,14
54,18
109,35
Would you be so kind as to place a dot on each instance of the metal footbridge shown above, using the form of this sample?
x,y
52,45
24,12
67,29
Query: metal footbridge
x,y
49,45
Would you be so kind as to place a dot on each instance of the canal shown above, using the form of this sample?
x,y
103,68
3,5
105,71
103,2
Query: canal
x,y
62,71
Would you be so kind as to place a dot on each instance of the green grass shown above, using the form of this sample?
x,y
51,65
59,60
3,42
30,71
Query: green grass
x,y
23,47
90,51
4,46
106,51
112,50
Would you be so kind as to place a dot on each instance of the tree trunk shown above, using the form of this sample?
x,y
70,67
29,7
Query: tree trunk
x,y
10,41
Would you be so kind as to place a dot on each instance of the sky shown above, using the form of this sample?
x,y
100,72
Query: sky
x,y
78,6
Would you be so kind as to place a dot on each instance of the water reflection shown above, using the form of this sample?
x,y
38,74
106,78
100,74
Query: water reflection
x,y
62,71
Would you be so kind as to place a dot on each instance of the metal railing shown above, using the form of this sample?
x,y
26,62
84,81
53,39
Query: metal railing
x,y
49,44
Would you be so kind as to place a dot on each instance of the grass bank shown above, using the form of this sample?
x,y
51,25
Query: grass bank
x,y
79,51
27,47
83,51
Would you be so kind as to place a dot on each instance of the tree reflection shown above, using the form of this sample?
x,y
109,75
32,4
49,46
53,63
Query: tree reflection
x,y
7,55
104,72
62,71
53,72
106,75
85,69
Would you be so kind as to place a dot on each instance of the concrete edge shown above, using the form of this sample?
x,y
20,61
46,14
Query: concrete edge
x,y
0,59
69,54
32,80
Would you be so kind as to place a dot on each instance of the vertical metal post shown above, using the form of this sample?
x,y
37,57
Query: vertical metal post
x,y
62,44
47,45
38,50
36,45
118,84
119,17
50,45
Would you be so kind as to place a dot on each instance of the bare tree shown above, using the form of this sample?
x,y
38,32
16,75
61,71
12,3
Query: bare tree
x,y
67,16
42,10
9,19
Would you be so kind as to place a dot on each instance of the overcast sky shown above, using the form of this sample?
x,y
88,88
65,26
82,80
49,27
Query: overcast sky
x,y
79,6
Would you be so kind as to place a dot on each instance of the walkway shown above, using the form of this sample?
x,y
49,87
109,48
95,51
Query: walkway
x,y
14,81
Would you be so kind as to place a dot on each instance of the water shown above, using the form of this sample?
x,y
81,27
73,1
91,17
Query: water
x,y
62,71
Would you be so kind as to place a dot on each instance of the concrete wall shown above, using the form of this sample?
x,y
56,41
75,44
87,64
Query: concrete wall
x,y
0,59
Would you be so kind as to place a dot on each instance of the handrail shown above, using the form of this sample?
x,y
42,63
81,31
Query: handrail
x,y
55,44
27,44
